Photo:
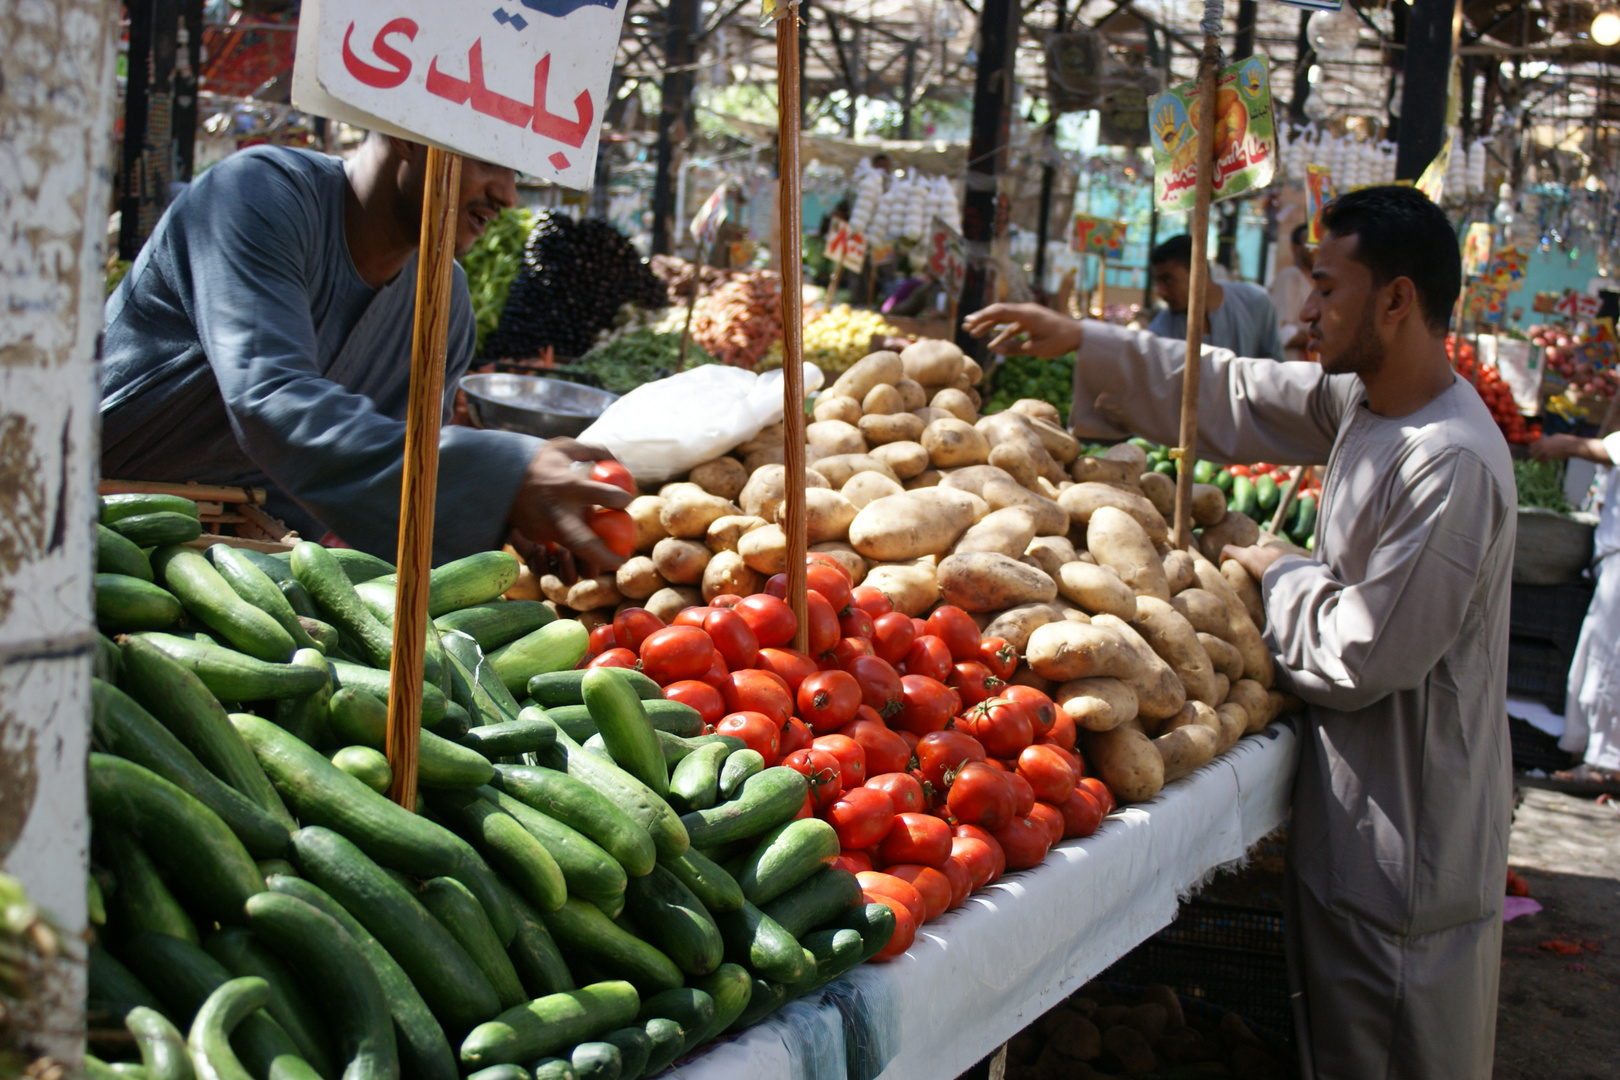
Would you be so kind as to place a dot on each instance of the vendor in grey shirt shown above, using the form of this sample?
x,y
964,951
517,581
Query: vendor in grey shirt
x,y
1238,316
263,338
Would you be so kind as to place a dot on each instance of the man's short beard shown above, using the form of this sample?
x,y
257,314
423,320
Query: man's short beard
x,y
1365,353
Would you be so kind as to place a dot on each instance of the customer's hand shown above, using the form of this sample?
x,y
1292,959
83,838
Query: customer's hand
x,y
1026,330
555,502
1256,560
1556,447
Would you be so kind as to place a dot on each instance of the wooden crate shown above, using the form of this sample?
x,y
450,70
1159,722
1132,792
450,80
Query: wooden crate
x,y
230,515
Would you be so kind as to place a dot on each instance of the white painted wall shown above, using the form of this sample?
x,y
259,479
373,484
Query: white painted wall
x,y
56,91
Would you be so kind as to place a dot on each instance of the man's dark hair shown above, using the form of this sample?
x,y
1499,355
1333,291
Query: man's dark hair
x,y
1401,233
1299,234
1177,249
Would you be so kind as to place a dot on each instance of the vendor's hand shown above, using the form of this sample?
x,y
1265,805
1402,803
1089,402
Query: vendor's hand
x,y
1046,334
1256,560
555,501
1555,447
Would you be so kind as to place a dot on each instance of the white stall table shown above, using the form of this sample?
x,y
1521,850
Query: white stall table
x,y
980,974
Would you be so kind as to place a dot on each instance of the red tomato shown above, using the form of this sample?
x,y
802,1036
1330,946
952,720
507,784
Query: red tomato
x,y
829,580
1023,794
726,600
903,790
1042,711
822,558
602,639
1002,726
771,620
828,700
905,927
1049,772
701,696
929,657
692,616
717,672
974,832
616,658
925,705
1082,813
934,887
617,530
732,637
939,752
1049,818
920,627
876,884
756,730
1061,733
757,691
871,599
851,758
880,684
822,621
861,817
855,862
917,838
633,625
776,585
845,652
981,795
957,629
1023,841
675,653
1100,791
961,878
822,770
999,656
611,472
855,623
976,856
793,667
892,635
807,809
973,681
796,735
886,751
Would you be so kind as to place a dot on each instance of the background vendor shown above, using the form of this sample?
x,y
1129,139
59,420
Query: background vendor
x,y
1237,315
263,338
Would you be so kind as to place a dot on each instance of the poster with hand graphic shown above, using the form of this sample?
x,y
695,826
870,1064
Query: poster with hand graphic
x,y
1245,136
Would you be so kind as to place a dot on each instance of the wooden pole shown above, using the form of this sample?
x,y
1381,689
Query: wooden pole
x,y
691,309
1209,68
1287,499
420,482
790,215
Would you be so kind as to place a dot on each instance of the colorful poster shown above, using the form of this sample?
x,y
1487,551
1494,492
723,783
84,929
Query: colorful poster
x,y
1476,249
1487,302
1245,137
710,216
854,251
1507,266
947,258
1576,305
1318,193
1098,236
1546,303
837,242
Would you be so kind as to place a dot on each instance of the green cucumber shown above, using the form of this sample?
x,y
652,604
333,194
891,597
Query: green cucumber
x,y
583,809
554,1069
539,962
786,856
695,782
96,1069
729,987
557,646
319,572
212,1057
1244,499
622,722
739,767
123,728
305,716
766,800
118,507
475,579
707,879
497,623
1223,480
505,843
257,588
874,922
211,600
112,987
550,1023
675,717
581,929
107,663
494,701
458,912
267,867
1266,493
450,982
554,688
179,832
1306,525
161,529
643,805
357,565
356,717
591,873
835,951
323,794
162,1047
667,1037
142,901
233,676
366,765
125,603
116,555
511,738
298,599
423,1049
634,1046
502,1072
274,566
325,635
1204,471
596,1061
243,954
759,942
374,681
689,1007
667,912
824,896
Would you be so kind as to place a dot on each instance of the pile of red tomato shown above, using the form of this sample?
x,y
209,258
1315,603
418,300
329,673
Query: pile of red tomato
x,y
936,771
1498,397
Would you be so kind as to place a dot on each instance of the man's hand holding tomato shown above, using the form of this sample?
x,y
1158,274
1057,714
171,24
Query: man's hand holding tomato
x,y
558,509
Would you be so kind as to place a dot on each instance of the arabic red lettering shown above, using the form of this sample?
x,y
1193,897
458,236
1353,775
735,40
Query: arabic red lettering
x,y
381,78
552,126
484,100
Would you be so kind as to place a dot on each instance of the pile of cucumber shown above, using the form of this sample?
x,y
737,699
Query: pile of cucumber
x,y
572,897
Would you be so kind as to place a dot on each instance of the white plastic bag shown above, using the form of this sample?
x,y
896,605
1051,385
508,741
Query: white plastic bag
x,y
663,428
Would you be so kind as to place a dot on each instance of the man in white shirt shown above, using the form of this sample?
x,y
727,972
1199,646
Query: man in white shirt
x,y
1237,315
1289,291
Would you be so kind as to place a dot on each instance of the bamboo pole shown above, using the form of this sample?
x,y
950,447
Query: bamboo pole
x,y
420,481
194,492
1209,67
792,228
691,309
1287,499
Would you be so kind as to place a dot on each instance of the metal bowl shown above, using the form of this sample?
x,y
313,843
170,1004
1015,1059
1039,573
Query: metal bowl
x,y
548,408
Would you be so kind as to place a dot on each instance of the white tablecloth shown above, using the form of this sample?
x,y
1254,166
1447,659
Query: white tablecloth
x,y
982,973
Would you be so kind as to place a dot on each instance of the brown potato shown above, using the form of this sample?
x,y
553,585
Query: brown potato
x,y
724,532
864,374
1097,704
928,478
1236,529
646,511
1175,640
928,414
1070,610
1234,720
1072,650
1208,504
838,468
1223,656
878,429
1063,446
1019,429
846,556
680,562
971,371
1223,685
827,515
764,550
1084,500
1194,712
1186,750
728,573
1014,459
1117,539
756,460
1257,663
1127,761
957,403
670,602
991,581
638,578
1255,702
837,407
1248,591
1007,531
1203,610
554,590
912,394
1050,554
1035,408
1096,589
952,443
1129,453
588,594
1160,491
1096,470
1016,623
1178,571
767,488
972,478
590,620
932,362
1043,486
687,514
1159,694
834,437
906,459
723,477
917,523
882,398
866,487
911,587
1025,677
1050,518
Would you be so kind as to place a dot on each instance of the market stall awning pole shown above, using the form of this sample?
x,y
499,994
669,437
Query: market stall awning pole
x,y
1209,68
1286,502
790,215
421,477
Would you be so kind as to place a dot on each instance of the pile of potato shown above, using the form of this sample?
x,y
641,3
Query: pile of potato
x,y
1155,653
